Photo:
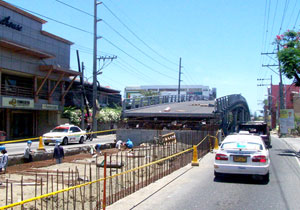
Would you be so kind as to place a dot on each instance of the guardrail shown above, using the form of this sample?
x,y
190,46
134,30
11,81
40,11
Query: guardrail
x,y
144,165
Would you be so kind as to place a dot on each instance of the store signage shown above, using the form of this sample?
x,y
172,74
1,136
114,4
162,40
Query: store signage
x,y
49,107
5,21
17,103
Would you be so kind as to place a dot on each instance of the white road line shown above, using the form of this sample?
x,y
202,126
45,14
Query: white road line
x,y
298,161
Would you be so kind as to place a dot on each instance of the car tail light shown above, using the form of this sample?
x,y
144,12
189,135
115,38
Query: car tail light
x,y
221,157
259,158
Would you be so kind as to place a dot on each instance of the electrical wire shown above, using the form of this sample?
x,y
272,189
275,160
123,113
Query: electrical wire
x,y
137,59
284,13
133,45
136,36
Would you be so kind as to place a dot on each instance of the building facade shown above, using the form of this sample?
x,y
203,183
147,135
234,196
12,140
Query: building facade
x,y
35,75
164,90
291,100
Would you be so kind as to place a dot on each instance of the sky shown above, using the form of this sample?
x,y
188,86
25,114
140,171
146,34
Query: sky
x,y
220,41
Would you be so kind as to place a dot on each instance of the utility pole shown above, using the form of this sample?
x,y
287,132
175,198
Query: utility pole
x,y
94,127
179,79
280,83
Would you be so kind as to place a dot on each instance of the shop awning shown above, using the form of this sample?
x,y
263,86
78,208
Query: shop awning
x,y
24,50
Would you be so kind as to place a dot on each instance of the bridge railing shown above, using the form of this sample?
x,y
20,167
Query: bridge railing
x,y
226,101
134,103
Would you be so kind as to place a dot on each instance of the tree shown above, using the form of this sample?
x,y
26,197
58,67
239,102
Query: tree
x,y
289,54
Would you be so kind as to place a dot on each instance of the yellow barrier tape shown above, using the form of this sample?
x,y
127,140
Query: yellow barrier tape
x,y
20,140
98,180
37,138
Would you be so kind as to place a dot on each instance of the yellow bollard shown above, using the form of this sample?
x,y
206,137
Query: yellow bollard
x,y
216,144
41,145
195,161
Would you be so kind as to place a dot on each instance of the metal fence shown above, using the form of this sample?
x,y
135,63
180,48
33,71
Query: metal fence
x,y
97,184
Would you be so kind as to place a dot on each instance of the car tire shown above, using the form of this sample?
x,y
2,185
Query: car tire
x,y
266,177
46,143
217,175
81,140
65,141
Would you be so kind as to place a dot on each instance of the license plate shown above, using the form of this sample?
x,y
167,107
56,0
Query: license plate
x,y
239,159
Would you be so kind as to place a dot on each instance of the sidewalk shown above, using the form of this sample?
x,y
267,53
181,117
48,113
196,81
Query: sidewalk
x,y
294,143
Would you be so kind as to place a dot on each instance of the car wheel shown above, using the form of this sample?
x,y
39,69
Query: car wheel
x,y
46,143
81,140
266,177
217,175
65,141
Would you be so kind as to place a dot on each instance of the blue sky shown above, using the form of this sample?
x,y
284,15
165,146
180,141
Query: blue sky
x,y
220,41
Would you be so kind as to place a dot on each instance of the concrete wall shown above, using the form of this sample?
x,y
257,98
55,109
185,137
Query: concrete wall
x,y
139,136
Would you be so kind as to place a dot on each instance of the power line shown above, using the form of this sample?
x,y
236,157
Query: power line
x,y
296,19
284,13
137,59
136,36
133,45
74,27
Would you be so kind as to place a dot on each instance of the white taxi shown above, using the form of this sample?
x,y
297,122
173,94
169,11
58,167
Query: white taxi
x,y
65,134
242,154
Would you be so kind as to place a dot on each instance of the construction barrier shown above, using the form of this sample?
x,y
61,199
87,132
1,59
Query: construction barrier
x,y
38,138
134,169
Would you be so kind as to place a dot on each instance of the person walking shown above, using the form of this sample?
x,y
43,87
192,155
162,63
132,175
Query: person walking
x,y
28,152
3,159
58,153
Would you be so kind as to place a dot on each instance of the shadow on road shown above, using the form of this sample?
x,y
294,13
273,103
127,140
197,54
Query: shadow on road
x,y
241,179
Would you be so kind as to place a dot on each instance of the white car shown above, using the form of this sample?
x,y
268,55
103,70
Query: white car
x,y
65,134
242,154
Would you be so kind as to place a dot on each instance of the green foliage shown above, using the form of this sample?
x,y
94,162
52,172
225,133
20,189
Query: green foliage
x,y
109,115
289,54
73,114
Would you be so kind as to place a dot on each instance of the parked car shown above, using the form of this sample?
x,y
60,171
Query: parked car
x,y
259,128
242,154
65,134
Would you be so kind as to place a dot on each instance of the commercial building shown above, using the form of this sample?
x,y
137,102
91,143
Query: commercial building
x,y
291,100
164,90
35,74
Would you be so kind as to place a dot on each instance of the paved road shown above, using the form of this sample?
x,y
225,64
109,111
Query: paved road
x,y
196,188
18,148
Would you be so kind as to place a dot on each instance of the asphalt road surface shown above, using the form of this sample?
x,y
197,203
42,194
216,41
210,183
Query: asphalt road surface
x,y
196,188
18,148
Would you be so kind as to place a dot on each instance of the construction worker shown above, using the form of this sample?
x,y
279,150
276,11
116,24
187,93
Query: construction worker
x,y
129,144
28,152
58,153
3,159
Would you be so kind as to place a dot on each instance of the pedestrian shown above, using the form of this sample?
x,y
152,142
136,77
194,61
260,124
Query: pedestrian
x,y
28,152
3,159
129,144
58,153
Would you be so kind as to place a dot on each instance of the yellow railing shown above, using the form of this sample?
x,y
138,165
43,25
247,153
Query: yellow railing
x,y
101,179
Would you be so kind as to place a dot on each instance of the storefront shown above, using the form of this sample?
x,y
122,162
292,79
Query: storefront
x,y
35,75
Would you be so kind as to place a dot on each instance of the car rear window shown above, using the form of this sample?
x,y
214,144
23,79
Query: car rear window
x,y
60,129
242,145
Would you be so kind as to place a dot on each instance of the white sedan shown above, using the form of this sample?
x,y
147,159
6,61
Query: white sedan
x,y
242,154
65,134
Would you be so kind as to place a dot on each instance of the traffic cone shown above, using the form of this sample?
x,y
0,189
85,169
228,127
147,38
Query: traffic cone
x,y
41,145
195,161
216,144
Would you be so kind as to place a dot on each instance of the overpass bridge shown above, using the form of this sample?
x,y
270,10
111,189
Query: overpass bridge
x,y
226,112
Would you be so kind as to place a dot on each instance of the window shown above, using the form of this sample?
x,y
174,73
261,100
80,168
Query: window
x,y
75,129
